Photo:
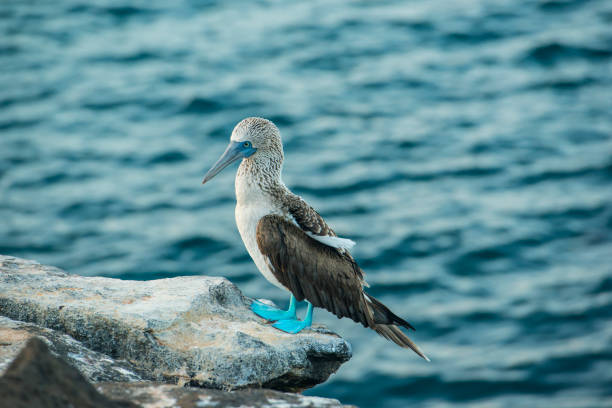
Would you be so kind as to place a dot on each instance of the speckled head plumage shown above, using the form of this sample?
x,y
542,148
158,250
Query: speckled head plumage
x,y
262,134
256,140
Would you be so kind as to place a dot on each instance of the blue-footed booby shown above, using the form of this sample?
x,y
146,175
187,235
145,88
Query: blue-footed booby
x,y
291,244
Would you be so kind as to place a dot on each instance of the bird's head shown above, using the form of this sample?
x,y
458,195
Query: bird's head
x,y
252,138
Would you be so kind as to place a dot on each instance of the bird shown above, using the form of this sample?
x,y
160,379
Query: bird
x,y
292,245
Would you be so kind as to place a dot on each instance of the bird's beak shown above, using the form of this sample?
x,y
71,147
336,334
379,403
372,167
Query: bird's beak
x,y
230,155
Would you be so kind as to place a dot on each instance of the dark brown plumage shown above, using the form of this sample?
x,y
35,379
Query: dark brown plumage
x,y
326,277
307,217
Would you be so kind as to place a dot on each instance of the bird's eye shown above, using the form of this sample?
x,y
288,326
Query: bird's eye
x,y
247,144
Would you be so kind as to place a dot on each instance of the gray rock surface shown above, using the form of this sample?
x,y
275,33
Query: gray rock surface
x,y
196,330
150,395
36,378
94,366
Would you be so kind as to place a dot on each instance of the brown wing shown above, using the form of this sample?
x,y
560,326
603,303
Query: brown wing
x,y
326,278
312,270
307,217
311,221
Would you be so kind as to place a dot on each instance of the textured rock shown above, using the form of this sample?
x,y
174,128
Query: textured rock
x,y
172,396
36,378
196,330
94,366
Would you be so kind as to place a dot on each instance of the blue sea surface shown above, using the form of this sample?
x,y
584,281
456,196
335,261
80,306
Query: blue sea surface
x,y
466,146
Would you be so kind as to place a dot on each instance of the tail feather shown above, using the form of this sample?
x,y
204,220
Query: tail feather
x,y
394,334
385,322
382,314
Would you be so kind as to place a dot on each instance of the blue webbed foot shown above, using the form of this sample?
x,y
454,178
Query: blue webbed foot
x,y
291,325
272,313
294,325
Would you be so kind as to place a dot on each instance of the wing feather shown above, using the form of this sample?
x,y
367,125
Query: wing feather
x,y
312,270
326,277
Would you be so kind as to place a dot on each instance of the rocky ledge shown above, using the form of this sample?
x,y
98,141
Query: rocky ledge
x,y
187,330
37,378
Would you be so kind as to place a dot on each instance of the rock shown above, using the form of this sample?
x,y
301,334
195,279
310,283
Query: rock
x,y
94,366
196,330
39,378
36,378
172,396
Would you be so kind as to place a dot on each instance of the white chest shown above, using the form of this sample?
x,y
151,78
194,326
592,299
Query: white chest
x,y
251,206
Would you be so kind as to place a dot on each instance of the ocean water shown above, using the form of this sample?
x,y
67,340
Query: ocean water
x,y
466,147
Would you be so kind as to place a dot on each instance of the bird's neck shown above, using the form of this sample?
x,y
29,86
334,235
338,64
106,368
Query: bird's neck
x,y
259,179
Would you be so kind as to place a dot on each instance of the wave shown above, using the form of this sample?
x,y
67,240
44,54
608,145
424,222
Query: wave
x,y
551,53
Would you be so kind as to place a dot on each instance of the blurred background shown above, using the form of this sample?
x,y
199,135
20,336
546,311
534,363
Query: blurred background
x,y
466,146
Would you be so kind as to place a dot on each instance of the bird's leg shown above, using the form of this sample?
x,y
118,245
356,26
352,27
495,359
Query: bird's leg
x,y
294,325
272,313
